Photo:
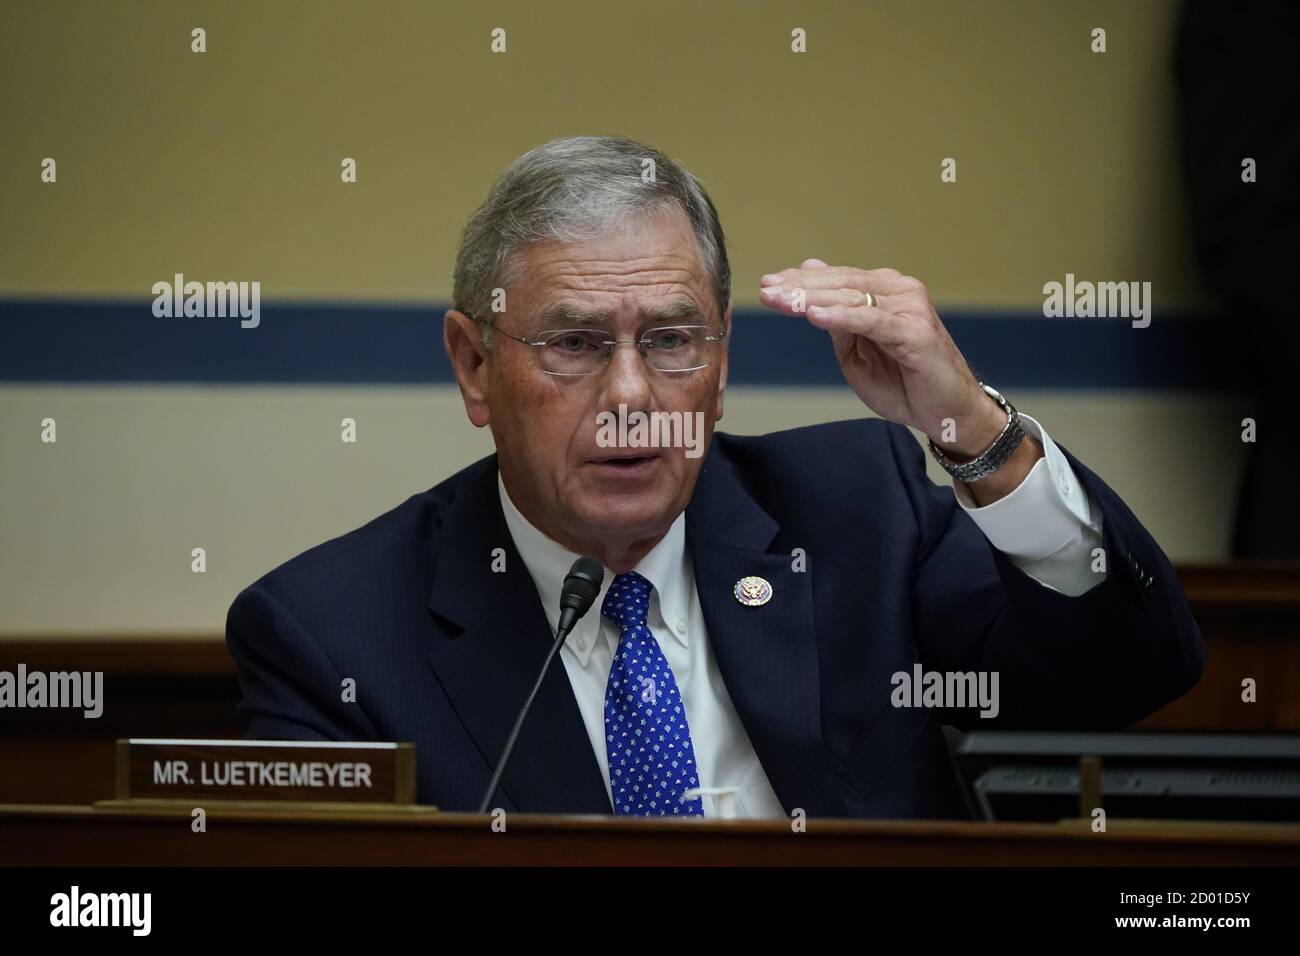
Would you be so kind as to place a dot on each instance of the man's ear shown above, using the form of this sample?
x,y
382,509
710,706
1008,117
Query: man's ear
x,y
722,372
468,354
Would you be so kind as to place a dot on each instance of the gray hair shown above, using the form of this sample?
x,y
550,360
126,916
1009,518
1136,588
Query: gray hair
x,y
576,189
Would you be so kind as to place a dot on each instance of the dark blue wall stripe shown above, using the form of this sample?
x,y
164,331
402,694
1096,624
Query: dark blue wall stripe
x,y
51,340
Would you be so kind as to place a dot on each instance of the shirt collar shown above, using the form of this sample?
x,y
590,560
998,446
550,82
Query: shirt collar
x,y
549,561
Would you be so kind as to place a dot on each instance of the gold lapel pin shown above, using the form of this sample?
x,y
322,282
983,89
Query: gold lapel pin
x,y
752,591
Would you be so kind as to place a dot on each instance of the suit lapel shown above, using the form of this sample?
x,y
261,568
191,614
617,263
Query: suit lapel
x,y
494,639
767,654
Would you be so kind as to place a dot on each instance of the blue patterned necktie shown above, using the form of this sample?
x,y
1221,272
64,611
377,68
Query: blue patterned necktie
x,y
651,760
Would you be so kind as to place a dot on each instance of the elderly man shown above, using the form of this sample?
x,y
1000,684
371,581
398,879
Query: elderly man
x,y
771,609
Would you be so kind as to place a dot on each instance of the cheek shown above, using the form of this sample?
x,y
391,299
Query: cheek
x,y
704,392
544,421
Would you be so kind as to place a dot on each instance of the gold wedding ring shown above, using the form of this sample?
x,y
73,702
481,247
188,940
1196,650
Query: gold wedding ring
x,y
871,299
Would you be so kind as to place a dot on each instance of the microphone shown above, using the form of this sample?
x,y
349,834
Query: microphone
x,y
581,585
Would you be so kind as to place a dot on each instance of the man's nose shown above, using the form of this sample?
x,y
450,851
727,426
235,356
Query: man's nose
x,y
627,379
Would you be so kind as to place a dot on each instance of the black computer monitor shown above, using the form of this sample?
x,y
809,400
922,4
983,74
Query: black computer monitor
x,y
1035,776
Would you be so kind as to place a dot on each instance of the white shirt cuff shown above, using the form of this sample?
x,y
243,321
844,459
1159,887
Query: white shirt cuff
x,y
1047,526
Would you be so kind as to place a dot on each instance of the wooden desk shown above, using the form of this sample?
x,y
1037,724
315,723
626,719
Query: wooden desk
x,y
153,687
173,687
87,836
1249,615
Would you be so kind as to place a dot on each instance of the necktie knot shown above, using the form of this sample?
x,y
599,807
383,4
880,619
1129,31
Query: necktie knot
x,y
628,600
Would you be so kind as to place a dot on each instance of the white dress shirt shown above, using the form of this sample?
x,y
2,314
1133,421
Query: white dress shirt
x,y
1047,527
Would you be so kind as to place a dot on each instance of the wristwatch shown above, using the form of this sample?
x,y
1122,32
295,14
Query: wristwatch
x,y
996,454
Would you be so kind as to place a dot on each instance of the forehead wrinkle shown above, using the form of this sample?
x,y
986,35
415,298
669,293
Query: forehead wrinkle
x,y
624,265
671,265
680,308
606,281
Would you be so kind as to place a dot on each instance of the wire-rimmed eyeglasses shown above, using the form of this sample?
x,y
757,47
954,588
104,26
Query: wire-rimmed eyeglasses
x,y
573,352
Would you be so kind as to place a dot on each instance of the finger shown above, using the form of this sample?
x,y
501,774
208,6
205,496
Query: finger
x,y
786,299
813,264
829,277
878,281
884,328
783,299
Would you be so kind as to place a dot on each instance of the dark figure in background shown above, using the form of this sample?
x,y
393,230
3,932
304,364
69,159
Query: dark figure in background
x,y
1238,73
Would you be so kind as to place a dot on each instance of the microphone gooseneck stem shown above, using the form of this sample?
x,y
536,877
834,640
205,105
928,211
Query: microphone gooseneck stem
x,y
519,721
581,585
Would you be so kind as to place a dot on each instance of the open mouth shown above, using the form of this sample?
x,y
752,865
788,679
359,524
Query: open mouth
x,y
626,461
626,464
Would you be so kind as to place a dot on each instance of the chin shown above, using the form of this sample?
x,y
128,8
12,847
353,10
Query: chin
x,y
624,514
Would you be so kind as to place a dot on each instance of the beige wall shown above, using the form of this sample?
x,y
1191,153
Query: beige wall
x,y
100,525
226,164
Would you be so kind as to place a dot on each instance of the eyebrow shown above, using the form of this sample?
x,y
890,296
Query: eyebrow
x,y
565,313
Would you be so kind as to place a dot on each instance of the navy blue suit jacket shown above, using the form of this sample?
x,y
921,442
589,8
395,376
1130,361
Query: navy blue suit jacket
x,y
444,650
